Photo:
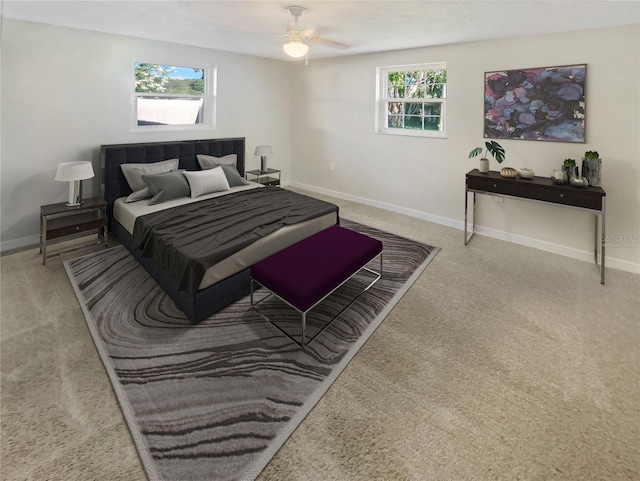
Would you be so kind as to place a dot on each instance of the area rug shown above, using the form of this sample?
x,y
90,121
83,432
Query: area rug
x,y
216,400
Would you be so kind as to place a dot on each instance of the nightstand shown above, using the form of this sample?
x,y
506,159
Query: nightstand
x,y
264,177
60,222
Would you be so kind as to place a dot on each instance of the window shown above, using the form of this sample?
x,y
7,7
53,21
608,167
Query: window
x,y
167,97
411,100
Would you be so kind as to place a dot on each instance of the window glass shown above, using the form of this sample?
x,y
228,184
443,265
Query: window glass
x,y
167,96
411,100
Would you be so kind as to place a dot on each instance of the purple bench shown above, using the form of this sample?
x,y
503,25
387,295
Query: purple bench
x,y
305,273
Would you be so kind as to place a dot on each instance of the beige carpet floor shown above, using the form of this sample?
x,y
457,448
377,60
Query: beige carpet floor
x,y
502,362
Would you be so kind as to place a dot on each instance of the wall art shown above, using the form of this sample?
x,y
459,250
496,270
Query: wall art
x,y
545,103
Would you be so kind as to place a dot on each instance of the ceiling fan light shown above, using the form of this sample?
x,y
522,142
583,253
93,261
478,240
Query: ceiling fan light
x,y
295,49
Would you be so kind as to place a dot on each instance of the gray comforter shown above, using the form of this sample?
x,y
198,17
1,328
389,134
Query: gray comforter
x,y
187,240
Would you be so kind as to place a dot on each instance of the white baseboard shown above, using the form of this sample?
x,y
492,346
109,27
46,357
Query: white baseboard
x,y
30,241
34,240
456,224
382,205
494,233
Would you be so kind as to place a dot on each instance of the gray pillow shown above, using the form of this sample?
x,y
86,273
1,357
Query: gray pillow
x,y
167,186
209,161
233,176
134,172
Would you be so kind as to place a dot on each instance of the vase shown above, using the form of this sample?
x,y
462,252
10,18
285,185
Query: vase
x,y
571,171
591,170
559,176
484,166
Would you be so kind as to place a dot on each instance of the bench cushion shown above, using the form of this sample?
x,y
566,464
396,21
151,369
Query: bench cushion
x,y
305,272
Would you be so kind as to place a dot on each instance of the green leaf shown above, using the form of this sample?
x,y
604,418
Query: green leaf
x,y
474,152
496,150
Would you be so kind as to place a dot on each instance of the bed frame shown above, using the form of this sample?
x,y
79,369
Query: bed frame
x,y
113,185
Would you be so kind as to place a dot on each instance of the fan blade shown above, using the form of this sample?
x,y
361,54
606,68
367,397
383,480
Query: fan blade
x,y
303,28
329,43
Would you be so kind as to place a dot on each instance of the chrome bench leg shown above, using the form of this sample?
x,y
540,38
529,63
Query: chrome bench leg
x,y
303,341
304,328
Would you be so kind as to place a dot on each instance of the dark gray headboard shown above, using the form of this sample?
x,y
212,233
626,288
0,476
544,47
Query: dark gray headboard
x,y
113,183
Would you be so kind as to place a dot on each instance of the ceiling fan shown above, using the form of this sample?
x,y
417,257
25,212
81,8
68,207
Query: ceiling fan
x,y
298,34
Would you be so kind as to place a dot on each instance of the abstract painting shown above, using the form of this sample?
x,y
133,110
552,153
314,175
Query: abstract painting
x,y
545,103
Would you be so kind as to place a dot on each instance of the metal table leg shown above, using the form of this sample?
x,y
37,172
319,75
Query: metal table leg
x,y
466,202
43,239
602,241
601,244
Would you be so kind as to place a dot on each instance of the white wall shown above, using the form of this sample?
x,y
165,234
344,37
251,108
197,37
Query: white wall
x,y
67,91
334,122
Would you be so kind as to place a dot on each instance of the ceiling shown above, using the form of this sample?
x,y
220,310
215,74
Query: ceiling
x,y
253,27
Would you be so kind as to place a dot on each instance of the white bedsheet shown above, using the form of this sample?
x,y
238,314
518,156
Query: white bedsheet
x,y
126,214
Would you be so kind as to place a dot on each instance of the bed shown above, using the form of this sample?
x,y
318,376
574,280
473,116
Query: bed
x,y
223,278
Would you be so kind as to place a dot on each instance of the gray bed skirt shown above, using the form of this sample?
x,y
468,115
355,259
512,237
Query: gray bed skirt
x,y
206,301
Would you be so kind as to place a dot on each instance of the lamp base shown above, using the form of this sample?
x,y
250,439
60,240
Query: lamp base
x,y
75,193
263,164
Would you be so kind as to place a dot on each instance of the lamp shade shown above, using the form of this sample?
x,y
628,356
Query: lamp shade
x,y
263,150
295,49
69,171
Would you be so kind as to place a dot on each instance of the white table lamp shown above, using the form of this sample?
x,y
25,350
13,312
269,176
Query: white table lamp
x,y
263,151
74,173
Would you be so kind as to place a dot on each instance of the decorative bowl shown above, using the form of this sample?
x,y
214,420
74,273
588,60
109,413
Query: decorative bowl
x,y
579,181
526,173
509,172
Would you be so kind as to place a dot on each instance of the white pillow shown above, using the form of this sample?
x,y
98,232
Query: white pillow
x,y
134,172
206,181
209,161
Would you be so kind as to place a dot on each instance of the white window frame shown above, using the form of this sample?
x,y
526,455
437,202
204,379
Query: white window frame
x,y
382,101
209,100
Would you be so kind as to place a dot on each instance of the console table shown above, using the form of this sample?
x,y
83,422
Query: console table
x,y
539,189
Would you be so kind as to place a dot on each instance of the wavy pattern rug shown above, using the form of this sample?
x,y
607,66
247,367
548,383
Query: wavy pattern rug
x,y
215,401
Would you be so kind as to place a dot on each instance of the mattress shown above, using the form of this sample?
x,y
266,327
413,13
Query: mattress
x,y
126,213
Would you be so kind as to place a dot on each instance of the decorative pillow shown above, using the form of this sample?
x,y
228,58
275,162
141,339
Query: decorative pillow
x,y
134,172
167,185
207,181
233,176
209,161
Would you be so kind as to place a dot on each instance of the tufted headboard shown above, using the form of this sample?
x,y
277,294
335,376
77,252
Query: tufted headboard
x,y
113,183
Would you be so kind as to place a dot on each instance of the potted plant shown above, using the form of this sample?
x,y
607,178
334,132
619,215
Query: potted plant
x,y
494,148
569,166
591,167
